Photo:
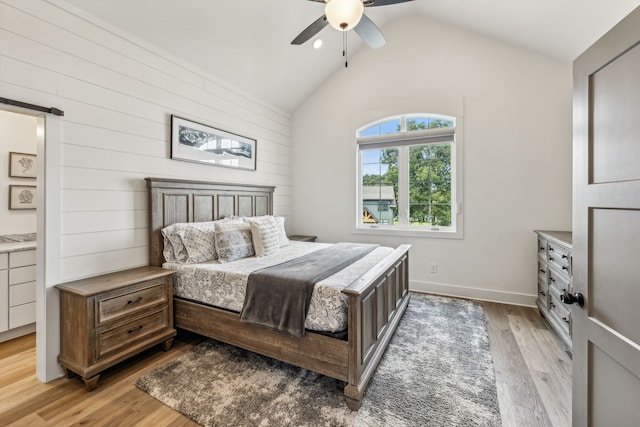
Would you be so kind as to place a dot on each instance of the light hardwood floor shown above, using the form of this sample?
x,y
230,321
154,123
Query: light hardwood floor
x,y
533,377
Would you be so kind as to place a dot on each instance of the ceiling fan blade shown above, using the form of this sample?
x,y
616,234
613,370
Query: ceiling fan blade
x,y
369,33
372,3
311,30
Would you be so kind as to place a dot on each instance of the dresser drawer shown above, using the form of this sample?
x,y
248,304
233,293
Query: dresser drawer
x,y
113,307
559,256
543,271
542,248
543,294
113,340
4,261
22,258
559,281
560,312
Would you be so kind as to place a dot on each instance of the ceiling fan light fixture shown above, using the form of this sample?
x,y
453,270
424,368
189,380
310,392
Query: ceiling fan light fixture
x,y
343,15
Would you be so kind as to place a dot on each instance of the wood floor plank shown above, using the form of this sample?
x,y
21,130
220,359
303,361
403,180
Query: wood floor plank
x,y
532,369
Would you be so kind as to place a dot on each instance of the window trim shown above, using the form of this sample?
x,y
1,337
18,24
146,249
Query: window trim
x,y
429,136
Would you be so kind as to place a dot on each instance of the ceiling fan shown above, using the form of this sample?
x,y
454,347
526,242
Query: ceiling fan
x,y
344,15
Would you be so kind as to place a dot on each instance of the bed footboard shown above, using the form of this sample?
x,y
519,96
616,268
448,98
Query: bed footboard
x,y
376,304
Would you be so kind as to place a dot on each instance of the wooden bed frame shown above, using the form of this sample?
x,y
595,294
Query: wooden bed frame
x,y
376,301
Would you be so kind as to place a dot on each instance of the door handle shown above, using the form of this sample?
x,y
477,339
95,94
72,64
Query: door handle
x,y
575,298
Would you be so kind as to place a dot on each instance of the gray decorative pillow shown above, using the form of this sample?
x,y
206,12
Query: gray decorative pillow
x,y
233,241
199,241
265,235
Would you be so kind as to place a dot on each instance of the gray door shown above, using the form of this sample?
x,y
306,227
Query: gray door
x,y
606,229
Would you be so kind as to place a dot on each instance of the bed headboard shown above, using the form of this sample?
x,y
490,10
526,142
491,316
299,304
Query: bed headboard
x,y
175,200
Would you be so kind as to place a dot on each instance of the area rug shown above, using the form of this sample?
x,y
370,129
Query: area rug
x,y
437,371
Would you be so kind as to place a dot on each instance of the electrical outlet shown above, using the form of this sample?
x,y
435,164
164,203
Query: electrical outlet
x,y
433,267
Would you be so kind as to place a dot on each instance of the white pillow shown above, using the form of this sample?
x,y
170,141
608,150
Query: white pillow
x,y
265,235
284,240
233,241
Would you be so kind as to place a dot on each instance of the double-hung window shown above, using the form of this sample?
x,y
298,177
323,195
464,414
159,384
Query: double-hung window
x,y
409,179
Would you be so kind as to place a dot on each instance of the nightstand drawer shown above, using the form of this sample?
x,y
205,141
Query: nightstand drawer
x,y
113,340
110,308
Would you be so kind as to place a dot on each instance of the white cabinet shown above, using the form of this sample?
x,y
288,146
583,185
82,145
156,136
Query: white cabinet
x,y
17,289
554,279
4,292
22,286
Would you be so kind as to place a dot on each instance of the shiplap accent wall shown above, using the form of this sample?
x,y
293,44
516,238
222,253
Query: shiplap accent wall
x,y
118,94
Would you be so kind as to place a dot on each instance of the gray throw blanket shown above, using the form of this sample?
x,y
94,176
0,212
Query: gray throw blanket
x,y
278,297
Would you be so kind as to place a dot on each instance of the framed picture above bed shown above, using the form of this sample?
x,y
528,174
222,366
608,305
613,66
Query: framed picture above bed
x,y
196,142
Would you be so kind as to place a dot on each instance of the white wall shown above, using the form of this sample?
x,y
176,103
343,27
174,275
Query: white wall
x,y
517,151
17,134
117,95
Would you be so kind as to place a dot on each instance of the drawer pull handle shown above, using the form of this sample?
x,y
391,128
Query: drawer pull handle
x,y
551,279
542,248
543,294
564,257
552,305
550,248
134,301
565,319
542,271
565,268
130,331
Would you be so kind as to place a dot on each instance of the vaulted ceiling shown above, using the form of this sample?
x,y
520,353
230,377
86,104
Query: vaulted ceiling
x,y
246,43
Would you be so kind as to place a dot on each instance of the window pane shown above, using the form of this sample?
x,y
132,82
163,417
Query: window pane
x,y
384,128
430,185
420,123
379,185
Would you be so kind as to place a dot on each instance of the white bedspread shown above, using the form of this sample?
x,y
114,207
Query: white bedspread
x,y
223,284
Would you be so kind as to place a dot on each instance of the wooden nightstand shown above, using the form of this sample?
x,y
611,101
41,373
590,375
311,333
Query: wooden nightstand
x,y
301,238
107,319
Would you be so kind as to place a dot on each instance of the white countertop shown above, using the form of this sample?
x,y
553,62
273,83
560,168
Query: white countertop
x,y
17,242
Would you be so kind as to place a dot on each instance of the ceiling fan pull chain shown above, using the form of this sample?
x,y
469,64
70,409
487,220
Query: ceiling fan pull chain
x,y
344,49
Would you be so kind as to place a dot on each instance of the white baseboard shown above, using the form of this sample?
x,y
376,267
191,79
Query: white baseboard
x,y
17,332
527,300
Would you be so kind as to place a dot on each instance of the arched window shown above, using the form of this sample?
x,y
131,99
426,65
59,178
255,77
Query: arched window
x,y
408,176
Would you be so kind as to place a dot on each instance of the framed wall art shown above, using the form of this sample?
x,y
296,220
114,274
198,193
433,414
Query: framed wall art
x,y
22,165
22,197
200,143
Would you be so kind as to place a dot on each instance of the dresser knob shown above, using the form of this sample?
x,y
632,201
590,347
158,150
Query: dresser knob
x,y
134,301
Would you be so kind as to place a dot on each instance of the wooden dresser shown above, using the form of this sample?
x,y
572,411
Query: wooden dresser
x,y
554,278
106,319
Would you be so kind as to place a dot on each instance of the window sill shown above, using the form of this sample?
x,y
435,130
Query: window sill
x,y
409,232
